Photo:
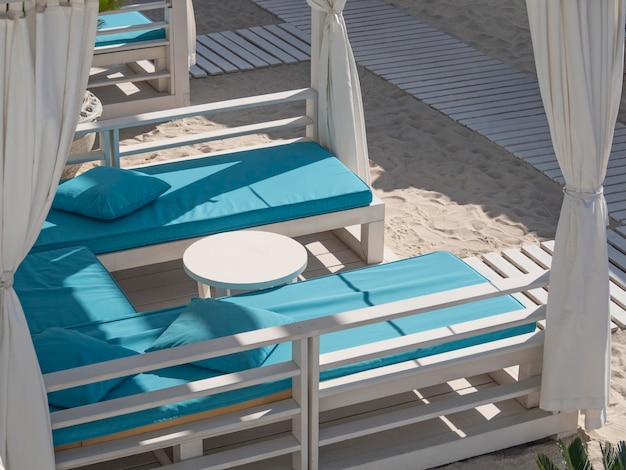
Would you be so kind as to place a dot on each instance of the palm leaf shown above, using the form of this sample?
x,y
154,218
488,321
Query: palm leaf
x,y
609,457
544,462
618,456
575,455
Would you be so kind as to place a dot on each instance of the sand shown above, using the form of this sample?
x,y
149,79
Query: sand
x,y
445,187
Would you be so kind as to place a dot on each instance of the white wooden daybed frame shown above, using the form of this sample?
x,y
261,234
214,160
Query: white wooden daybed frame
x,y
362,229
384,418
159,65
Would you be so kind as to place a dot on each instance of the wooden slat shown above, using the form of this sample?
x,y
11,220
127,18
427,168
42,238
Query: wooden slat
x,y
232,422
232,44
267,46
405,416
218,50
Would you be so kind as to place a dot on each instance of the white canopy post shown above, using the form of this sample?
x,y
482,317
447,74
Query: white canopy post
x,y
579,47
340,106
191,33
45,58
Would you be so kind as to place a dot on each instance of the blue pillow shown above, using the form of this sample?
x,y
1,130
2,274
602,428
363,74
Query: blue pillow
x,y
59,349
108,193
205,319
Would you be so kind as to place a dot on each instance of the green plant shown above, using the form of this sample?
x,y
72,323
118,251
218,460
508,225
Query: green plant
x,y
574,456
106,5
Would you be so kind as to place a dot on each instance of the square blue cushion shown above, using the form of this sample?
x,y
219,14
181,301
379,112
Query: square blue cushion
x,y
108,193
206,319
60,349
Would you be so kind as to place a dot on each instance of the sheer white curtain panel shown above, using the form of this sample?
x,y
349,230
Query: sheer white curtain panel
x,y
579,54
340,105
45,56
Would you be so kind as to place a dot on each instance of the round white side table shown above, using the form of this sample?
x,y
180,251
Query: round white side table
x,y
243,260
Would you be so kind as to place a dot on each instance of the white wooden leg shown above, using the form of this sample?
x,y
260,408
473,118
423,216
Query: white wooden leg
x,y
367,240
373,241
204,290
525,371
219,292
299,389
314,401
188,450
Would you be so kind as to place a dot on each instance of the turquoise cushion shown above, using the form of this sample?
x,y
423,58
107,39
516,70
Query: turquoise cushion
x,y
206,319
108,193
124,20
220,193
67,288
60,349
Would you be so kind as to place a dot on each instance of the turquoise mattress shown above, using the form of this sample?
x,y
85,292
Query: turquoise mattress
x,y
301,301
216,194
68,288
122,20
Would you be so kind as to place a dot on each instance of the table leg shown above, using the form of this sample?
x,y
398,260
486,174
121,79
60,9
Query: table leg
x,y
220,292
204,290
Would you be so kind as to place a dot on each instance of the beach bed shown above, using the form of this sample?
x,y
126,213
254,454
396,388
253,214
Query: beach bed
x,y
370,351
292,186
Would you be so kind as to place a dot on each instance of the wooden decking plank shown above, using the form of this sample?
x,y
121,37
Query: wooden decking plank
x,y
538,255
251,48
407,74
475,122
304,37
416,86
475,105
617,206
482,93
522,136
494,111
210,43
503,85
361,18
491,273
502,265
618,178
385,25
479,266
401,57
615,197
541,159
293,41
267,46
537,152
212,58
209,67
616,160
514,123
279,43
545,143
196,72
226,41
521,261
388,50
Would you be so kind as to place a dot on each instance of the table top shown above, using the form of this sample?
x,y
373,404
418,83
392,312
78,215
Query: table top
x,y
245,260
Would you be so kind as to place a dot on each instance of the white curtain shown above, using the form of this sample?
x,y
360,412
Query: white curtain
x,y
579,46
45,55
340,107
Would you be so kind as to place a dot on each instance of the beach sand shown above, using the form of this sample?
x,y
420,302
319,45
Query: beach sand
x,y
445,187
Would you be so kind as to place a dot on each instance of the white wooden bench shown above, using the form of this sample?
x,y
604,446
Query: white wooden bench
x,y
416,414
143,75
361,228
